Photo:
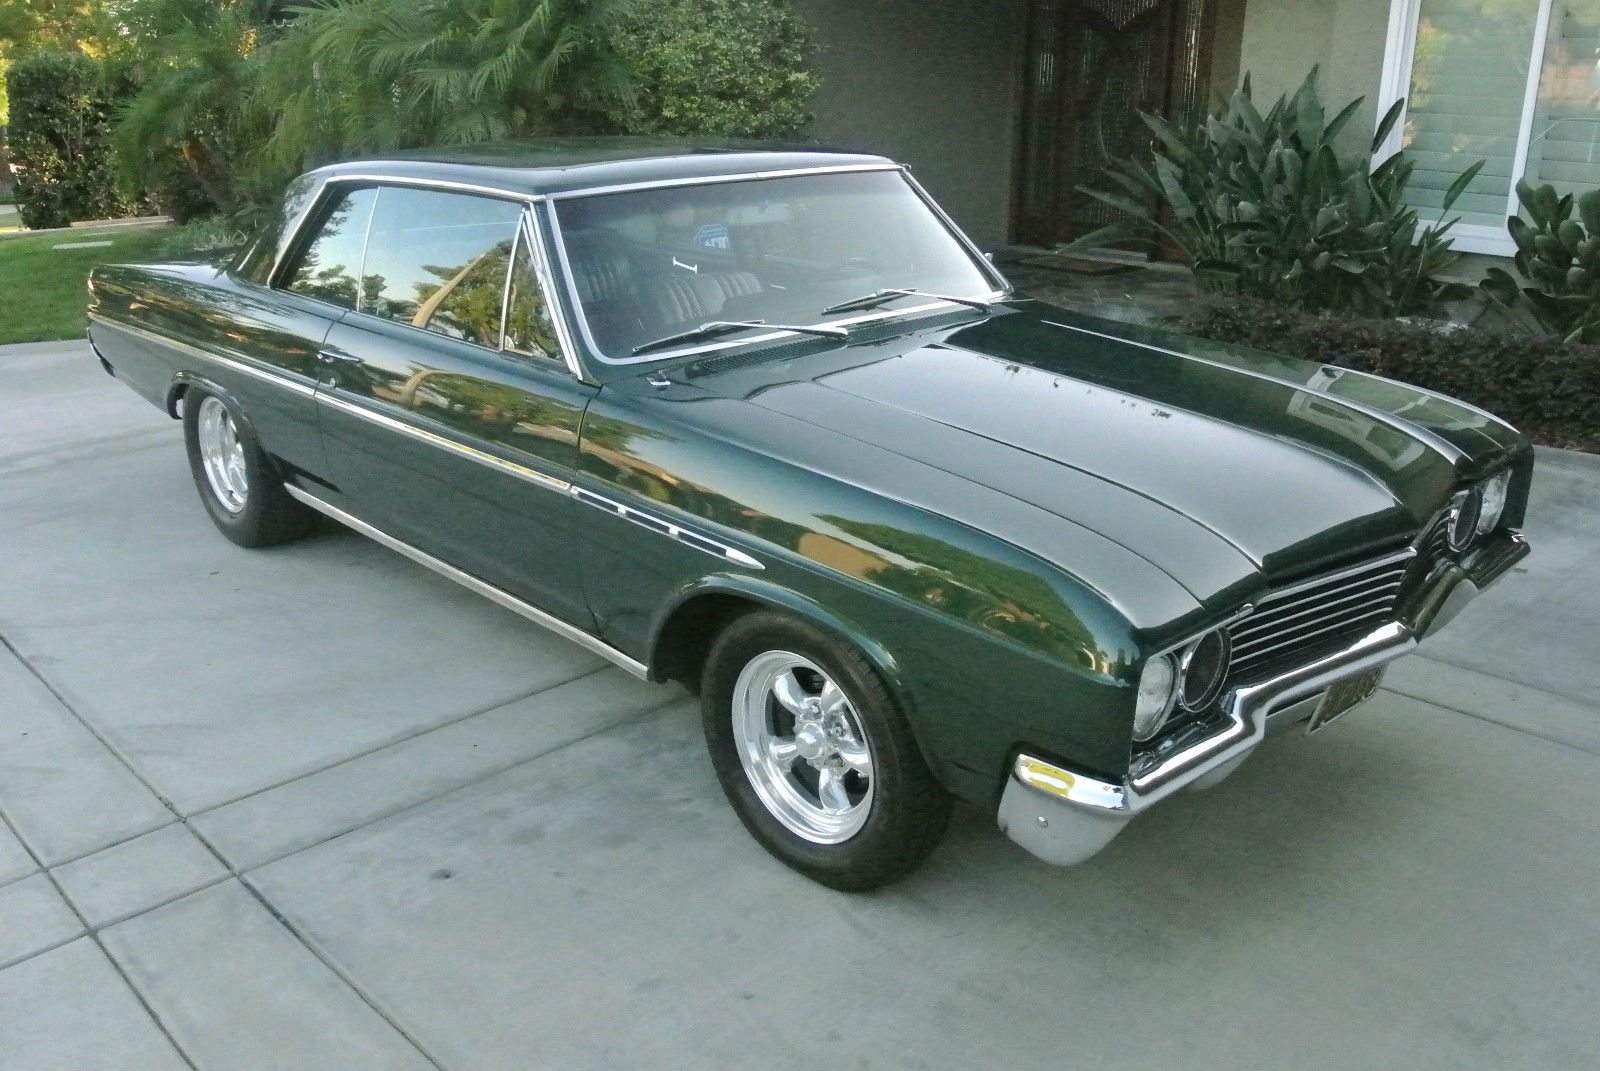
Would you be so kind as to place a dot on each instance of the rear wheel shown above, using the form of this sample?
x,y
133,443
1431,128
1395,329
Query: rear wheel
x,y
815,757
238,486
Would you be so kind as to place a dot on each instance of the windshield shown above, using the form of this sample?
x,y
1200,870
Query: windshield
x,y
649,264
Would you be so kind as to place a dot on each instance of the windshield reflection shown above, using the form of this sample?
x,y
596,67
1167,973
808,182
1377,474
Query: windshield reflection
x,y
649,264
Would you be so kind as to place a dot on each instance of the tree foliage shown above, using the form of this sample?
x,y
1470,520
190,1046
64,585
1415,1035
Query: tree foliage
x,y
358,76
726,68
234,97
63,105
191,130
1558,256
1263,205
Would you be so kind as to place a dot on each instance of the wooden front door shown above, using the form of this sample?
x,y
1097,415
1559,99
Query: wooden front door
x,y
1092,66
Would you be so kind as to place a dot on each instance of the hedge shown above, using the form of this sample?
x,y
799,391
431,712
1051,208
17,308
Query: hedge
x,y
1548,388
63,105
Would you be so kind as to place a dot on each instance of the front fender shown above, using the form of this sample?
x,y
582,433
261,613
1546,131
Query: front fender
x,y
766,593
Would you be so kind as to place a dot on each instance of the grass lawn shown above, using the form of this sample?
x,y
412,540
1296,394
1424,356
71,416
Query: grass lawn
x,y
42,294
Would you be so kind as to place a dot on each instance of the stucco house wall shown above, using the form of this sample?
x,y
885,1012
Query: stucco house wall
x,y
932,83
1281,41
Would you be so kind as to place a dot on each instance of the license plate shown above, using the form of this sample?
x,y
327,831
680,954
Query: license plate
x,y
1342,695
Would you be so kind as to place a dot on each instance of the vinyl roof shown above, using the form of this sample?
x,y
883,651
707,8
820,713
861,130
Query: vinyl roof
x,y
560,165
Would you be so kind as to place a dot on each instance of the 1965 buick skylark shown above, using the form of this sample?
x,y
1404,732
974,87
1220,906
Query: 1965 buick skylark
x,y
768,424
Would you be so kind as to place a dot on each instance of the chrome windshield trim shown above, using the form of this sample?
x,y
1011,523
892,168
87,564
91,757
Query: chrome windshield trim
x,y
1004,289
567,631
570,284
708,180
532,230
1417,431
307,389
488,460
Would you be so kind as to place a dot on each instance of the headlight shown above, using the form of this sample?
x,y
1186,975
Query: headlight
x,y
1157,687
1465,509
1203,666
1492,501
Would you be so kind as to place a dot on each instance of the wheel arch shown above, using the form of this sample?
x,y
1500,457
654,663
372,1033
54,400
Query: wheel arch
x,y
689,623
183,382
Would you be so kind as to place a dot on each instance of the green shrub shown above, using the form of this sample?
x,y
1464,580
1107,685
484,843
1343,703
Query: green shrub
x,y
62,108
1559,257
1548,388
1262,205
719,68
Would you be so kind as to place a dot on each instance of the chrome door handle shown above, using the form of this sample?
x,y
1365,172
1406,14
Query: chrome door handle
x,y
338,357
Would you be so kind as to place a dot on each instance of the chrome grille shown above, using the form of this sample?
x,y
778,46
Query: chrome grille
x,y
1437,541
1300,622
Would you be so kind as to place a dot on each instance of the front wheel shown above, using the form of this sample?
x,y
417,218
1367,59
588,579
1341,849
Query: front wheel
x,y
815,757
240,490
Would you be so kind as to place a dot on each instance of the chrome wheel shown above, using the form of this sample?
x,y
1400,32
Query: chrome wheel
x,y
802,747
222,454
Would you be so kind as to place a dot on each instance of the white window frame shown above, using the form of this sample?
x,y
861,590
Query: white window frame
x,y
1398,53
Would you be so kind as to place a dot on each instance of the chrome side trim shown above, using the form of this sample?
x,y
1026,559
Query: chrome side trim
x,y
561,628
686,536
1416,431
532,476
707,180
306,389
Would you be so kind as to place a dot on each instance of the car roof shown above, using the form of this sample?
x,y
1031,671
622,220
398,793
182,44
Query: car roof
x,y
565,165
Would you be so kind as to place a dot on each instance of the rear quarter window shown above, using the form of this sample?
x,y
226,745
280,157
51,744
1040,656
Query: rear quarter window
x,y
329,268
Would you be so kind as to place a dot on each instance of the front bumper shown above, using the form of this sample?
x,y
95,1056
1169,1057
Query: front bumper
x,y
1064,817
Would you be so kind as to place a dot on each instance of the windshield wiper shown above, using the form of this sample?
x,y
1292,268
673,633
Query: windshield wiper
x,y
728,327
883,297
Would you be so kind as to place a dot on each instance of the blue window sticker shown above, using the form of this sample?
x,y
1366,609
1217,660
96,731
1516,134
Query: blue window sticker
x,y
713,236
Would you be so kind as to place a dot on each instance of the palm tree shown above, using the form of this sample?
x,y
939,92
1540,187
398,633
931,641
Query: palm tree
x,y
370,75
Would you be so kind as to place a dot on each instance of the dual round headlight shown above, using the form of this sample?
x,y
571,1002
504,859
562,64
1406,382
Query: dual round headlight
x,y
1190,677
1477,512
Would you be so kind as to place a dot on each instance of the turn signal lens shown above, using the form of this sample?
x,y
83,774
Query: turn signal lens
x,y
1465,510
1204,665
1492,501
1157,686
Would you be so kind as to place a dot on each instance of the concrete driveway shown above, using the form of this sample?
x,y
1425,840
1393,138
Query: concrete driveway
x,y
318,808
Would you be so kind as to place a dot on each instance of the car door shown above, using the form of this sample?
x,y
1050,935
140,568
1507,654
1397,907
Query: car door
x,y
267,337
449,418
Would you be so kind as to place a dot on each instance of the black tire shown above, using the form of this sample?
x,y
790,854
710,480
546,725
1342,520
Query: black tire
x,y
908,809
263,514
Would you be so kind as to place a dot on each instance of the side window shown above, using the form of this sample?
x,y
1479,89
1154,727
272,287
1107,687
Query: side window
x,y
258,258
438,261
528,327
330,267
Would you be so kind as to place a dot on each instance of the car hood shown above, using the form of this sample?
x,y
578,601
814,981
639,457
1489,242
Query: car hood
x,y
1217,466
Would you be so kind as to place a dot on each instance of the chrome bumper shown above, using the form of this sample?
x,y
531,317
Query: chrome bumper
x,y
1064,817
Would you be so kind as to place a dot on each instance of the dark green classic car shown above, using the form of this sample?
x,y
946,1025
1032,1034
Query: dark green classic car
x,y
767,423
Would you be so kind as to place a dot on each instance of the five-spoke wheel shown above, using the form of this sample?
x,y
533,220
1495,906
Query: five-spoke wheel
x,y
802,747
238,483
222,454
815,755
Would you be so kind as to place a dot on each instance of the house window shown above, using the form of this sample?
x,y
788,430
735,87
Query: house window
x,y
1513,82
